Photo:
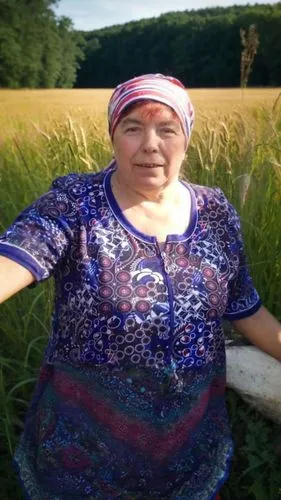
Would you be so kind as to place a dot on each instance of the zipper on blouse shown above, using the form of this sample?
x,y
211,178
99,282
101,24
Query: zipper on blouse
x,y
168,283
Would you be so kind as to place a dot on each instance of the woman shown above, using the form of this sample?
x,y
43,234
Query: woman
x,y
130,401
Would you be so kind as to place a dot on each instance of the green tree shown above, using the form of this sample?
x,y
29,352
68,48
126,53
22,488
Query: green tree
x,y
71,44
10,47
36,48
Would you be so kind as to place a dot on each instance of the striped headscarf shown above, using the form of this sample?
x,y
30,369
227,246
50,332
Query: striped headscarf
x,y
157,87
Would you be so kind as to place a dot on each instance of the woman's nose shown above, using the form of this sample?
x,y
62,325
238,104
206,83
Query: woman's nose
x,y
150,141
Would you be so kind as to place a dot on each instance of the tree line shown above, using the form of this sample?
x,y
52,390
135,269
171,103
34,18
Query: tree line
x,y
37,49
201,47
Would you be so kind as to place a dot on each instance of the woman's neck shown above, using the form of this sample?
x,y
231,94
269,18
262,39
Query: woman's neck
x,y
134,195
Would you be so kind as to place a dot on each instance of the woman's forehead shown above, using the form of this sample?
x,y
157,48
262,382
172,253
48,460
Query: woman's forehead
x,y
150,110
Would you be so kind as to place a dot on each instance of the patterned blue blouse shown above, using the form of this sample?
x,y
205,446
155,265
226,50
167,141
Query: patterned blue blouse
x,y
130,400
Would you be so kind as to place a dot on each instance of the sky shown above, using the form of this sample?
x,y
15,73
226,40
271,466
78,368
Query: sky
x,y
93,14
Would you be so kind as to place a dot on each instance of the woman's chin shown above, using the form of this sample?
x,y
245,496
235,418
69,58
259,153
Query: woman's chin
x,y
151,183
150,177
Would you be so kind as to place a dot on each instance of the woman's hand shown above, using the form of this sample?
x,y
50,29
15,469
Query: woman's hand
x,y
13,278
263,330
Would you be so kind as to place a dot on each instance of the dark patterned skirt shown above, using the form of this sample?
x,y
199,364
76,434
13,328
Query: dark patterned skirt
x,y
126,434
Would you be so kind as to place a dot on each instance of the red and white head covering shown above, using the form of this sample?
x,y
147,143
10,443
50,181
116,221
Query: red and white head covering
x,y
157,87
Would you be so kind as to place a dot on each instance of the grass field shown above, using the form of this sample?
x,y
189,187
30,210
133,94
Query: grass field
x,y
236,145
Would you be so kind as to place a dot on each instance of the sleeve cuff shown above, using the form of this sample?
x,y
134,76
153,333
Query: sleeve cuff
x,y
243,314
23,258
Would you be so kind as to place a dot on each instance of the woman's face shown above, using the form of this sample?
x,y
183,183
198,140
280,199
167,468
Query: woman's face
x,y
149,146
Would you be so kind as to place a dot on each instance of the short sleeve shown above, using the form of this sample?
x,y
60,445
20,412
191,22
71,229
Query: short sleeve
x,y
40,236
243,298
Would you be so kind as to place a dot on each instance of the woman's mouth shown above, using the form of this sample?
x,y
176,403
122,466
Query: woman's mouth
x,y
149,165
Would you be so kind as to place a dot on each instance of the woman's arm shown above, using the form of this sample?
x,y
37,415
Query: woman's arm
x,y
13,277
263,330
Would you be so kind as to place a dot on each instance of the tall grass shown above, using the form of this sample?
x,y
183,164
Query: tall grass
x,y
240,154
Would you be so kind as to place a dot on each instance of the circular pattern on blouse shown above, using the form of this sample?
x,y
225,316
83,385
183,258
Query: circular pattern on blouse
x,y
114,285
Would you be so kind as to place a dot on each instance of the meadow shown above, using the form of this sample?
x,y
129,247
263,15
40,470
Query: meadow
x,y
236,145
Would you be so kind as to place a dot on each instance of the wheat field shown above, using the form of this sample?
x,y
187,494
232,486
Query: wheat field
x,y
40,107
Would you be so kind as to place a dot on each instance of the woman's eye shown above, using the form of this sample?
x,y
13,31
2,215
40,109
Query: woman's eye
x,y
132,129
168,130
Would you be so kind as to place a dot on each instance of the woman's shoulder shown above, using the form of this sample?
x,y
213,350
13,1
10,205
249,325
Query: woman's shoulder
x,y
209,196
214,204
75,182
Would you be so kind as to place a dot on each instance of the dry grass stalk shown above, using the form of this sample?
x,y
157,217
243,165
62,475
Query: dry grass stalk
x,y
250,42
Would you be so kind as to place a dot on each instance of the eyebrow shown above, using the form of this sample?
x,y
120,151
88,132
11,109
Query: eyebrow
x,y
170,122
127,121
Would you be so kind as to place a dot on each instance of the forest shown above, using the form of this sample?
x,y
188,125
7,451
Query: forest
x,y
201,47
37,49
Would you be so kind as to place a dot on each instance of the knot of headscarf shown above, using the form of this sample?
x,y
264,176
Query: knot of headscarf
x,y
156,87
